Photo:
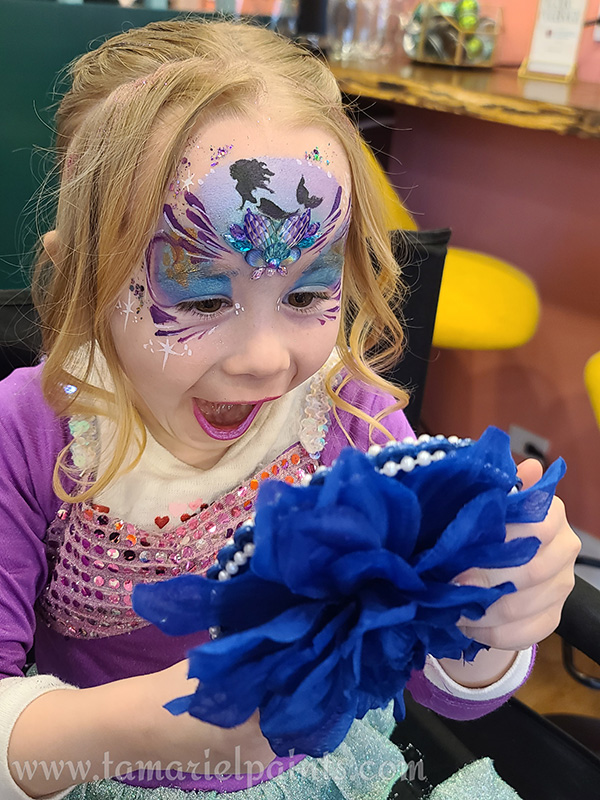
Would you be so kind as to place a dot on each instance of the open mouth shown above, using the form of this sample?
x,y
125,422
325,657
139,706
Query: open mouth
x,y
225,420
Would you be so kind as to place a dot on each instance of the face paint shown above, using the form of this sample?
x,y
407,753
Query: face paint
x,y
217,154
300,215
324,274
316,155
166,349
330,314
213,346
138,290
135,298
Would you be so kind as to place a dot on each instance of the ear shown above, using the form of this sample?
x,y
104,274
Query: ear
x,y
50,243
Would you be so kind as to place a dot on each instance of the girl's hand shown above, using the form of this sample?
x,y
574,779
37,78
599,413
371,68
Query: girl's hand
x,y
527,616
122,727
184,739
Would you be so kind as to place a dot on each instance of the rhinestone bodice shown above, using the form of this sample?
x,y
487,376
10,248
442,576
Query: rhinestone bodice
x,y
95,559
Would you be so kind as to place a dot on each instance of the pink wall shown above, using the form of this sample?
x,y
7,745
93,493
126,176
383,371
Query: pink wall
x,y
519,19
531,198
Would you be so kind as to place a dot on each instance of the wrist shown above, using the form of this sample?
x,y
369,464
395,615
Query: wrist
x,y
488,667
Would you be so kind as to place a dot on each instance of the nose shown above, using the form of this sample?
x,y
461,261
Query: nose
x,y
260,351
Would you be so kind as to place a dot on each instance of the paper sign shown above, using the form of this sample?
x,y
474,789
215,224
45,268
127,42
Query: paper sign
x,y
556,38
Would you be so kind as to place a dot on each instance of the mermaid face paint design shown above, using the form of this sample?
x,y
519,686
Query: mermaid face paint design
x,y
287,208
211,346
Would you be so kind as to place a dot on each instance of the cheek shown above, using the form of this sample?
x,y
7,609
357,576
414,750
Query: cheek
x,y
149,349
317,343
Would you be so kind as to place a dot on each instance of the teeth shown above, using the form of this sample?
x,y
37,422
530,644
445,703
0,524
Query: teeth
x,y
224,413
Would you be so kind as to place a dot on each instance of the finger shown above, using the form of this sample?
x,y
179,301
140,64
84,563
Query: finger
x,y
550,560
526,603
529,471
545,530
518,635
559,549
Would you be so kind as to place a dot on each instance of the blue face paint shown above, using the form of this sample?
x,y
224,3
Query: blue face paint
x,y
318,276
325,271
176,276
211,286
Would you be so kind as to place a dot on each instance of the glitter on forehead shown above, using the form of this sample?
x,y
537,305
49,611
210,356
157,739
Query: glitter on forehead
x,y
315,156
216,154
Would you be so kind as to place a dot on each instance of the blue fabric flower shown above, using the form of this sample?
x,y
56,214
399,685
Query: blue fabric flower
x,y
350,587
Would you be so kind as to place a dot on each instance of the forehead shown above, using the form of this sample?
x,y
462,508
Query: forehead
x,y
234,165
251,198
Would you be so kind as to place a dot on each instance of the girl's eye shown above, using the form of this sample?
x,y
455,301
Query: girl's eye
x,y
304,299
212,305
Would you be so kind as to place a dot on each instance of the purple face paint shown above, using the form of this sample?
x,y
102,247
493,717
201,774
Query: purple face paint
x,y
259,214
330,314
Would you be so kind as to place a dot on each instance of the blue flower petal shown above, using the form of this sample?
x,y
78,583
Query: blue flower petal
x,y
316,718
480,519
192,603
354,572
349,589
531,505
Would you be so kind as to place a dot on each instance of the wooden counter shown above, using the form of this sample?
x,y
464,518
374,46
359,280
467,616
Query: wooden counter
x,y
497,95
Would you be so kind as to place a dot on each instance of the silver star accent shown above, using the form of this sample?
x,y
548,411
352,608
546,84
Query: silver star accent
x,y
188,181
167,350
127,309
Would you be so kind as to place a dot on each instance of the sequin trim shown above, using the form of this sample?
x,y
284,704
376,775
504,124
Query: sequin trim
x,y
315,422
84,447
95,560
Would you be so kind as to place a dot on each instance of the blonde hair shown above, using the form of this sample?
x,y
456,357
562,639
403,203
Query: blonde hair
x,y
122,93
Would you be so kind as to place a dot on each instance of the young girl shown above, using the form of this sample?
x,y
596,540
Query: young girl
x,y
207,299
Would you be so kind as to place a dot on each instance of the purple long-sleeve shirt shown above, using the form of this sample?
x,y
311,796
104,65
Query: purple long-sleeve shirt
x,y
31,438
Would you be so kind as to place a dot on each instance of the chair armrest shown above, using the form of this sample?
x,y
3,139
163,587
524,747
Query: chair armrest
x,y
580,622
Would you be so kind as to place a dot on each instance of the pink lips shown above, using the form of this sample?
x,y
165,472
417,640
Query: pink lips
x,y
228,433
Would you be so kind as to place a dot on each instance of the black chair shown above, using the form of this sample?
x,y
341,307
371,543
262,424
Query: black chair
x,y
421,255
20,337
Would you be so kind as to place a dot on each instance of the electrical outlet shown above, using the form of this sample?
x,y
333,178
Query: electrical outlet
x,y
525,443
597,28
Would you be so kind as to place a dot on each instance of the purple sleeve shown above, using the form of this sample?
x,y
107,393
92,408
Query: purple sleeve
x,y
31,437
371,402
431,696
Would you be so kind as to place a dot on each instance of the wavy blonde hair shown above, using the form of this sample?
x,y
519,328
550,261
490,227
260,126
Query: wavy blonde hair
x,y
185,71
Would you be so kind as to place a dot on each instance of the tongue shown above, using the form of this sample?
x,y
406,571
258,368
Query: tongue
x,y
224,415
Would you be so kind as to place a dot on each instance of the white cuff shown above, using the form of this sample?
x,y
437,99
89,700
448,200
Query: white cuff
x,y
508,683
15,695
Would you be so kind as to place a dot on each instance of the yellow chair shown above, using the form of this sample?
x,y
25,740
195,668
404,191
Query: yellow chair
x,y
591,375
485,303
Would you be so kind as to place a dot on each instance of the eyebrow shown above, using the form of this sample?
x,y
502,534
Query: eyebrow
x,y
207,269
324,268
319,266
